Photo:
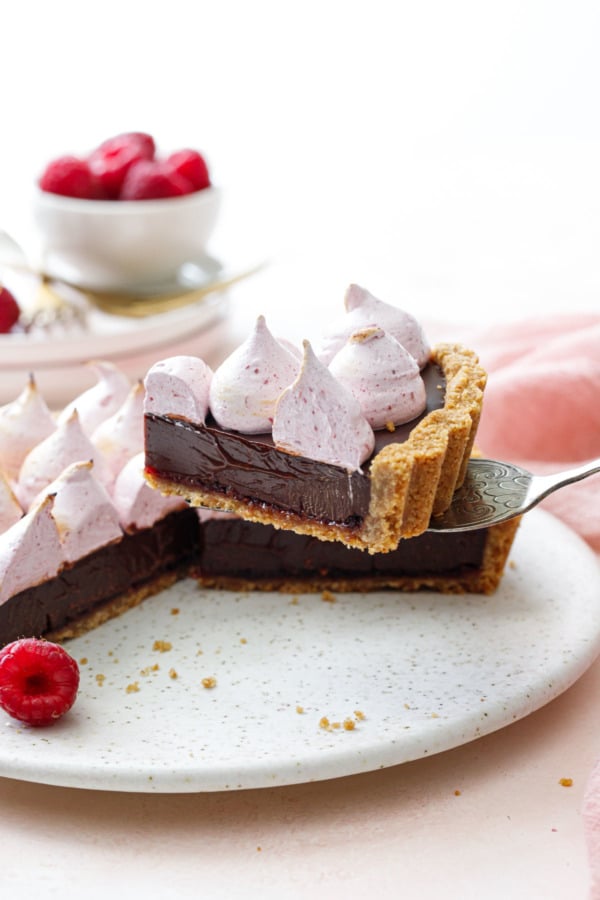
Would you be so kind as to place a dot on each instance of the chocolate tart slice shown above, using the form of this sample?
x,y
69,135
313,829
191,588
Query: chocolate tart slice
x,y
411,475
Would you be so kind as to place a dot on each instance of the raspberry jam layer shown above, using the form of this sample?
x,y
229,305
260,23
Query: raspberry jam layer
x,y
250,468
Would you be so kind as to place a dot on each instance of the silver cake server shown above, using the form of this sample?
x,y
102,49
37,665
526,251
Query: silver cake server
x,y
495,491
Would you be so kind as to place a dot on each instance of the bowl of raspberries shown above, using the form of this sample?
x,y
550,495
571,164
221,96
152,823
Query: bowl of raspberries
x,y
124,216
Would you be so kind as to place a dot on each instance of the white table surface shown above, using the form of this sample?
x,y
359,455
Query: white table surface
x,y
446,157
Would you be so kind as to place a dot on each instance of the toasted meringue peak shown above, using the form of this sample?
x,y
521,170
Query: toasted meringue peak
x,y
382,376
247,385
84,515
178,387
122,435
30,551
23,424
362,310
66,445
102,400
10,510
137,504
318,418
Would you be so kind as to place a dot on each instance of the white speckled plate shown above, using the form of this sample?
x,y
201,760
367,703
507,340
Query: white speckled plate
x,y
413,674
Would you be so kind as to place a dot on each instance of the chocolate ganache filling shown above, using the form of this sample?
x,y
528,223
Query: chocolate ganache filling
x,y
249,467
245,550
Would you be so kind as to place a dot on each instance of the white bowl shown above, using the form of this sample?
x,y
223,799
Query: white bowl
x,y
123,245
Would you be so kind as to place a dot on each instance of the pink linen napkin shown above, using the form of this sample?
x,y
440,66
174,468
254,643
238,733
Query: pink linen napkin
x,y
542,406
542,410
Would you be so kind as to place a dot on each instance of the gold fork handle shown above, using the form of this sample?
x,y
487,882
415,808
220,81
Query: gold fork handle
x,y
139,307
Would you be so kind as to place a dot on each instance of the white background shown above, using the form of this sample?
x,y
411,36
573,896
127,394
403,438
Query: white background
x,y
444,154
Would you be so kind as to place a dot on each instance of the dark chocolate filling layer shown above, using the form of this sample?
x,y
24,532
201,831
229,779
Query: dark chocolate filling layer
x,y
249,467
232,547
101,576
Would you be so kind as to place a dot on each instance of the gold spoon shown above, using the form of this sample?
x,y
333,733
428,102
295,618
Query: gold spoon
x,y
137,307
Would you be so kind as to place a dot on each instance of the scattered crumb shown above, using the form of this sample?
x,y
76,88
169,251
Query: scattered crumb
x,y
348,724
145,672
199,652
209,682
100,679
440,387
299,710
406,706
83,661
457,793
328,597
390,426
243,641
110,652
294,601
434,716
359,715
512,564
175,611
172,673
162,646
566,782
258,849
132,688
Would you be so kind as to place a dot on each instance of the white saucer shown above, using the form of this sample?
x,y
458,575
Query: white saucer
x,y
415,674
194,274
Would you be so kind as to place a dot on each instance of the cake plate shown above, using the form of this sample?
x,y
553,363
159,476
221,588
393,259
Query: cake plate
x,y
198,690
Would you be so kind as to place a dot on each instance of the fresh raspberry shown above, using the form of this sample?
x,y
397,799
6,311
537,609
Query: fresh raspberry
x,y
146,141
38,681
9,310
110,162
69,176
152,180
191,165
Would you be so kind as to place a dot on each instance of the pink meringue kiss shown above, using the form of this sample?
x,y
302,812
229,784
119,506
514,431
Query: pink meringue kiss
x,y
178,387
362,310
137,504
247,385
383,377
30,551
102,400
318,418
23,424
66,445
121,436
84,515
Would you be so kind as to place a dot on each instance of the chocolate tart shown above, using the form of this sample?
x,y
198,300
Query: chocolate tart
x,y
410,477
229,553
